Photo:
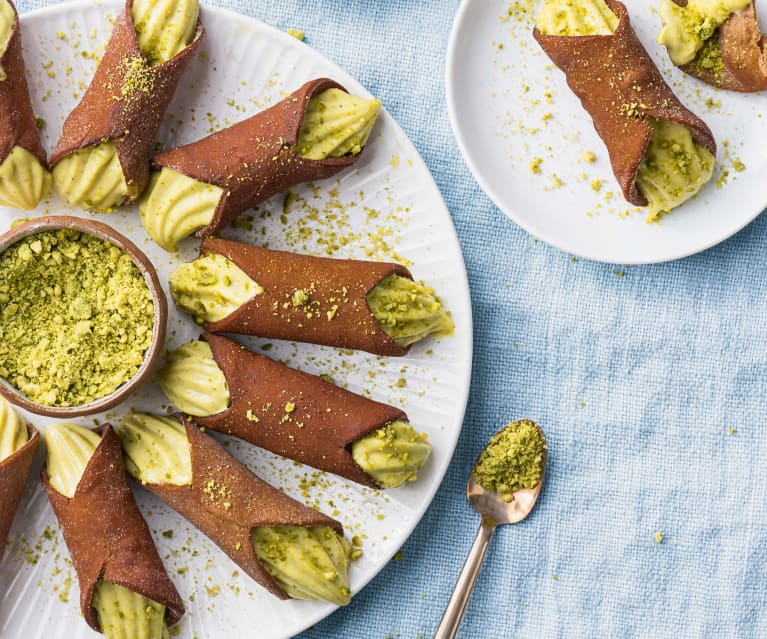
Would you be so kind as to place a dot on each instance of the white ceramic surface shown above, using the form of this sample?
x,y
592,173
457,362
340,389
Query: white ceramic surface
x,y
509,106
387,204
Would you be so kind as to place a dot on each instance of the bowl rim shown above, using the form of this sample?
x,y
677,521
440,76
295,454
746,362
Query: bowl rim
x,y
142,262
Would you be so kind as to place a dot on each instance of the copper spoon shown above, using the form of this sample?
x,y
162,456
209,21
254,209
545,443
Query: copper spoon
x,y
495,511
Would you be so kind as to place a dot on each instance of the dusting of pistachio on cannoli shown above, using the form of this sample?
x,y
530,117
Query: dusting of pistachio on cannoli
x,y
121,613
336,124
175,206
193,382
23,180
393,454
686,29
93,178
674,168
164,27
576,17
408,311
308,563
13,430
7,24
211,287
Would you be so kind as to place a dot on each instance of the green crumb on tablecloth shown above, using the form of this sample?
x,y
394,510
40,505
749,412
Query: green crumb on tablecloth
x,y
398,556
297,34
730,431
659,537
512,461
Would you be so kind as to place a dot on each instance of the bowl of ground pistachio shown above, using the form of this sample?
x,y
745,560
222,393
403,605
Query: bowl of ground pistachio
x,y
82,316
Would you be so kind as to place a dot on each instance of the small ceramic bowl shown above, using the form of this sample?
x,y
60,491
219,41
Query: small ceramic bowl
x,y
155,350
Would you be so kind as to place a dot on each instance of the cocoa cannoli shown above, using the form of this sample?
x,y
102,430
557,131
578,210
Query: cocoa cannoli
x,y
124,589
102,158
312,134
236,287
661,153
18,442
227,388
719,42
288,548
24,177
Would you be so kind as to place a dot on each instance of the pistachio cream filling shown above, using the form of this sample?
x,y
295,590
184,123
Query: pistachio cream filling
x,y
13,430
211,287
76,317
175,206
7,24
576,18
512,460
93,178
336,124
686,29
408,311
307,563
122,613
193,382
23,180
673,169
392,454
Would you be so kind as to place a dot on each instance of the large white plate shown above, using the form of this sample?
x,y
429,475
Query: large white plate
x,y
500,88
388,203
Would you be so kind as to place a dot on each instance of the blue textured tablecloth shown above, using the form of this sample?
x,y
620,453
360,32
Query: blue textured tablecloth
x,y
649,381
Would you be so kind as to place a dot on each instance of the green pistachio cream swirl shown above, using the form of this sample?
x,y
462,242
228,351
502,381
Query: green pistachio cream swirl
x,y
122,613
674,167
92,178
192,380
13,430
23,180
307,563
335,124
212,287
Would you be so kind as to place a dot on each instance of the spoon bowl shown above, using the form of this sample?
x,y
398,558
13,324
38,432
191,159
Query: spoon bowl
x,y
495,511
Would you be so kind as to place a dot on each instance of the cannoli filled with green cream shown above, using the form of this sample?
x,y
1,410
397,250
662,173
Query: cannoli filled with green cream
x,y
234,287
717,41
312,134
18,443
124,589
227,388
661,153
24,176
102,159
290,549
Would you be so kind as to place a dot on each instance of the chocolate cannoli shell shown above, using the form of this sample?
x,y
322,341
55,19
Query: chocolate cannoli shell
x,y
621,88
123,104
337,313
106,535
226,501
13,475
324,422
18,126
253,160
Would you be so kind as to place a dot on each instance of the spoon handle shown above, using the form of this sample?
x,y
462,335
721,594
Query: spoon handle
x,y
451,619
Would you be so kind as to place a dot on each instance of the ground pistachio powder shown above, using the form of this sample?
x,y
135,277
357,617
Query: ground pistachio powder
x,y
76,317
512,460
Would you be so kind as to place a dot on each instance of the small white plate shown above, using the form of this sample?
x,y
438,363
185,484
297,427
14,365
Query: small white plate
x,y
510,108
386,206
